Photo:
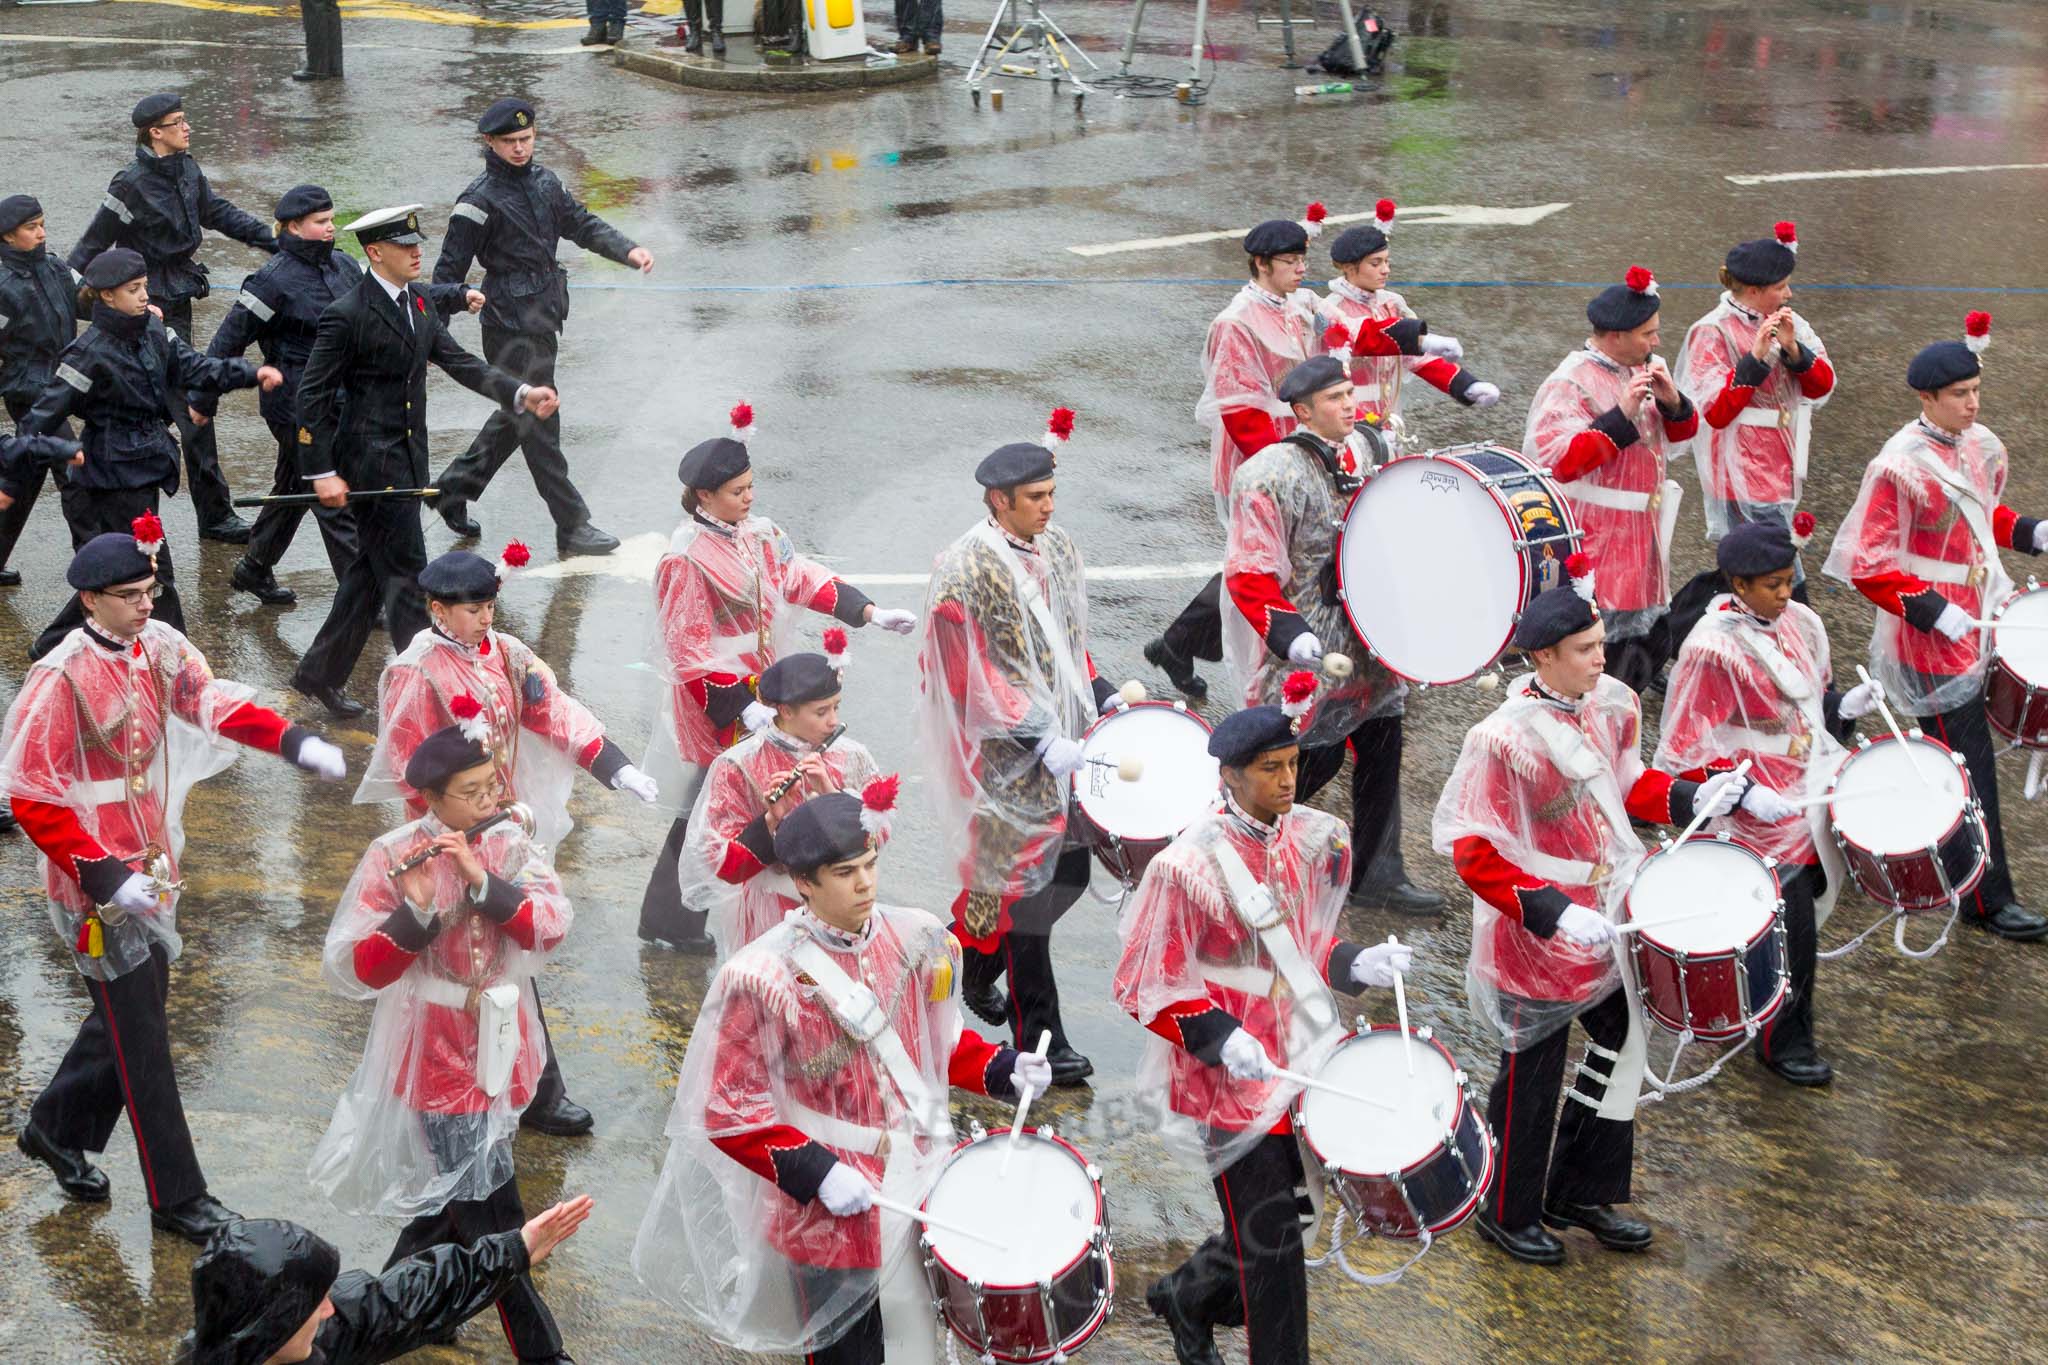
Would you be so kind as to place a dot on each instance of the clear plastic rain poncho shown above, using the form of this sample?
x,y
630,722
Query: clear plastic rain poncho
x,y
539,733
734,793
1740,689
1285,510
1926,510
724,599
118,739
1252,342
1757,462
1546,787
722,1242
414,1128
993,679
1376,379
1184,940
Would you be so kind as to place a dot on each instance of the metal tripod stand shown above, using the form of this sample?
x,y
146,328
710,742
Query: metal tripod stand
x,y
1034,35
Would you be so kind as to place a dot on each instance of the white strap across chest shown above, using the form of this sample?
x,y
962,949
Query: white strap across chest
x,y
1254,906
1579,762
860,1014
1071,678
1975,514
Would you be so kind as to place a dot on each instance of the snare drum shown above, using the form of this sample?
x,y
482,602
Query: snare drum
x,y
1721,970
1474,526
1911,832
1047,1291
1425,1166
1129,823
2016,690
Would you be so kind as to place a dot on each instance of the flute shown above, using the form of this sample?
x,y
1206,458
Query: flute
x,y
511,811
795,775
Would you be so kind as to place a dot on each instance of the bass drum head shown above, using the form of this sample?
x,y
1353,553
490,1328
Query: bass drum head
x,y
1697,876
1431,578
1179,782
1044,1210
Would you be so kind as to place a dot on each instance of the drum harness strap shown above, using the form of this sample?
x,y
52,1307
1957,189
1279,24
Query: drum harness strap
x,y
1071,678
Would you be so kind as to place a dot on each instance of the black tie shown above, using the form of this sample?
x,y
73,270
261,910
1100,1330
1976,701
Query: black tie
x,y
404,302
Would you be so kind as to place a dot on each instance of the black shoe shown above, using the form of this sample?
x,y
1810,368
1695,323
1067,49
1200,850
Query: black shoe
x,y
1403,898
261,584
1532,1244
694,44
563,1118
1804,1068
696,945
76,1176
615,32
1068,1066
989,1003
8,824
594,37
195,1219
229,530
584,540
10,578
307,73
1610,1228
2016,922
1194,1343
1179,669
455,516
718,43
337,702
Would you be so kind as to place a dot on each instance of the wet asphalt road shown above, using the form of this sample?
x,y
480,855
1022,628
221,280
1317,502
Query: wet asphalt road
x,y
840,262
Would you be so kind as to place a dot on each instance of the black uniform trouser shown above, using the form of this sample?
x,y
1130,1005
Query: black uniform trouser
x,y
1251,1274
531,357
862,1342
322,20
529,1326
204,483
549,1089
1197,633
121,1059
277,523
1966,730
1790,1031
390,552
1593,1157
95,511
1375,793
1027,950
920,19
661,905
16,517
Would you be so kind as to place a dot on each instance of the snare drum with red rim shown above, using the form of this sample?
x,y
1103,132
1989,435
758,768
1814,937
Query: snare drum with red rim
x,y
1128,824
1716,963
1046,1289
2016,689
1908,823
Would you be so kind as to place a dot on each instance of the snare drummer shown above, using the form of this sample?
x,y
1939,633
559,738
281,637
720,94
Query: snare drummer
x,y
1228,1002
1602,424
1752,682
1537,814
1922,542
1284,613
819,1070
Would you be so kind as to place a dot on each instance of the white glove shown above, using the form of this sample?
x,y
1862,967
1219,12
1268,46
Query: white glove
x,y
757,716
1587,928
1436,344
1060,755
137,895
889,618
1718,795
2041,537
322,759
631,779
1306,649
1953,622
1860,700
845,1192
1485,395
1244,1057
1377,965
1767,805
1032,1070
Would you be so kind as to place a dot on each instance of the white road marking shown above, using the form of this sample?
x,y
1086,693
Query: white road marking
x,y
1418,215
636,557
1880,173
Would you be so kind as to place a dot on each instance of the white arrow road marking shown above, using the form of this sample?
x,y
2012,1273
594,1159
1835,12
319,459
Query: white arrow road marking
x,y
1880,173
1418,215
637,555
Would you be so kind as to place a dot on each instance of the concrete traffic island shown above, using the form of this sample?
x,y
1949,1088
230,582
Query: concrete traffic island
x,y
745,68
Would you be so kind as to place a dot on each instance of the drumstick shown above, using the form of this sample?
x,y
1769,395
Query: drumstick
x,y
1311,1083
1638,926
1812,801
1023,1103
1885,710
1701,817
1989,623
913,1212
1401,1008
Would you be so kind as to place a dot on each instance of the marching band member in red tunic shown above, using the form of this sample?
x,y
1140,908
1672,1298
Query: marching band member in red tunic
x,y
763,1227
1602,425
447,944
108,734
1753,682
723,598
1226,1003
1537,815
728,860
1922,543
1756,371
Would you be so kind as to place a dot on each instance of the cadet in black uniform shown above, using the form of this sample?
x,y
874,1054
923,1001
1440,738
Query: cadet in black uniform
x,y
363,423
511,218
159,205
39,313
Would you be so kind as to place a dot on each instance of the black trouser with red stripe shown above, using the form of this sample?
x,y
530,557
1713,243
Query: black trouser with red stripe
x,y
1251,1274
862,1342
1027,950
1790,1031
121,1059
1197,633
1593,1156
1375,794
1966,730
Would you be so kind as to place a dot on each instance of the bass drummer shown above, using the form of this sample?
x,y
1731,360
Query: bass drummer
x,y
1227,1003
1752,682
1922,542
1280,571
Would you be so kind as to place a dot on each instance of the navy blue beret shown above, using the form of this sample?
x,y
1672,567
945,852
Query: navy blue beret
x,y
1556,613
1357,243
460,576
1754,548
1310,378
300,200
113,268
1018,462
822,831
1276,237
108,558
795,679
150,109
441,755
17,209
1942,364
1243,735
508,115
714,463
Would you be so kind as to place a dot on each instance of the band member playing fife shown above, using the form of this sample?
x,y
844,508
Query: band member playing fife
x,y
1922,543
444,924
1537,815
818,1071
1227,1002
105,739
